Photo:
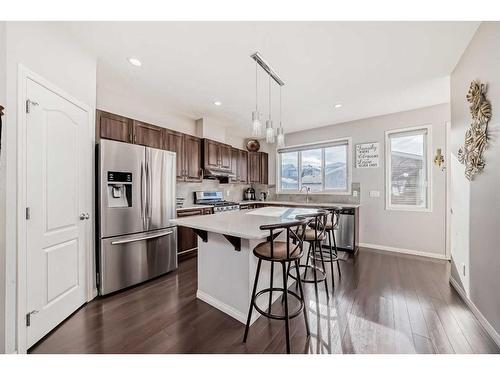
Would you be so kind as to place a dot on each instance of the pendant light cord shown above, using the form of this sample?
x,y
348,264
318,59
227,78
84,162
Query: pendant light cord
x,y
269,97
280,106
256,82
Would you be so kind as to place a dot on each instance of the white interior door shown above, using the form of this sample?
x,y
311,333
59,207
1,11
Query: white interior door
x,y
57,139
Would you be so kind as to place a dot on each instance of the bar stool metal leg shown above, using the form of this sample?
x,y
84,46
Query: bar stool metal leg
x,y
331,257
324,269
271,284
336,253
287,318
299,283
249,318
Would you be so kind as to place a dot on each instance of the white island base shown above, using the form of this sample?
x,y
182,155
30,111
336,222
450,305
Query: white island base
x,y
226,276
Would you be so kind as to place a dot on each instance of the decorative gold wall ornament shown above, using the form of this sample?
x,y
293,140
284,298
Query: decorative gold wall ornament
x,y
476,137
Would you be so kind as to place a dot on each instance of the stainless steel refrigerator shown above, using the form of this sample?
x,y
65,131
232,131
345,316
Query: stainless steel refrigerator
x,y
136,200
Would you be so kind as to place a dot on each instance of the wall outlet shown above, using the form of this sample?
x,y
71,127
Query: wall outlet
x,y
355,193
374,193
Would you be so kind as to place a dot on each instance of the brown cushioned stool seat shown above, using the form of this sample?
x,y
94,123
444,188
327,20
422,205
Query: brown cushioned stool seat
x,y
279,250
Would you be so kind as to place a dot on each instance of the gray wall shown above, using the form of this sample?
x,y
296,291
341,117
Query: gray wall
x,y
422,232
3,95
481,60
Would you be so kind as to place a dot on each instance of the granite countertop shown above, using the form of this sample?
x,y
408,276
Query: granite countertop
x,y
193,207
302,204
243,224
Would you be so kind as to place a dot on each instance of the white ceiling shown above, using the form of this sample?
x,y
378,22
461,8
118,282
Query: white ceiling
x,y
371,68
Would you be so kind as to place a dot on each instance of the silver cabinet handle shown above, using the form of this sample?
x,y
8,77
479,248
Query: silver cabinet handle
x,y
118,242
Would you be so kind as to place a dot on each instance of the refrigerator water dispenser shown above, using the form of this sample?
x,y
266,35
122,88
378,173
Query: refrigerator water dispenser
x,y
119,189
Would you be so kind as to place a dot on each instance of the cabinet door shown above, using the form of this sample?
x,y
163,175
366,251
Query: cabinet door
x,y
174,141
147,135
192,158
186,237
254,167
264,168
243,166
211,154
225,156
114,127
235,163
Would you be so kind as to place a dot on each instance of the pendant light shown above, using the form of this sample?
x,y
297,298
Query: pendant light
x,y
279,131
269,122
256,123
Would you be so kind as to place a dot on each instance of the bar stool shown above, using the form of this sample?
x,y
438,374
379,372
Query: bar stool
x,y
314,233
331,255
285,253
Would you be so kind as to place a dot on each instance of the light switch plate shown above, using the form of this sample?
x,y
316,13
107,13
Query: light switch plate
x,y
355,193
374,193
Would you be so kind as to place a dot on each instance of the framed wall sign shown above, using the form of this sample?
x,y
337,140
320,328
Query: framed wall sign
x,y
367,155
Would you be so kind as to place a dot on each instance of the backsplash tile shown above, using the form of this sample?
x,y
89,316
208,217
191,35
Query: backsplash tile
x,y
323,198
231,192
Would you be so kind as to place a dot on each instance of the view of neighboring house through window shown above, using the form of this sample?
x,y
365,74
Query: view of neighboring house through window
x,y
407,185
321,167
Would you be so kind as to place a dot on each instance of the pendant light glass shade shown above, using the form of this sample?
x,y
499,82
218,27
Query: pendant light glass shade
x,y
256,124
280,137
269,131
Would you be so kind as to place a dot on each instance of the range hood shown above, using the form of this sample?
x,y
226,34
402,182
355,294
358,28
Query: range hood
x,y
216,174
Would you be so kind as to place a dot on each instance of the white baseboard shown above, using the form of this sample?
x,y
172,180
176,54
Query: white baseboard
x,y
495,336
231,311
403,251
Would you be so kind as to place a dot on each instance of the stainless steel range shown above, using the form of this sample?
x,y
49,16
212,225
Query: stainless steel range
x,y
214,198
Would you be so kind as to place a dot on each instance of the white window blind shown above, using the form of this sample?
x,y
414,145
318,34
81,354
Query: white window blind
x,y
407,185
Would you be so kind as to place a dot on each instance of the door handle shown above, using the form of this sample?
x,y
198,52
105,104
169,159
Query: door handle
x,y
119,242
84,216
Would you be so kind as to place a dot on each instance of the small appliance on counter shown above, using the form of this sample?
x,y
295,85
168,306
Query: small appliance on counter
x,y
263,196
214,198
249,194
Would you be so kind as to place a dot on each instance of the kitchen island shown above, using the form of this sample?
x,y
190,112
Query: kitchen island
x,y
226,264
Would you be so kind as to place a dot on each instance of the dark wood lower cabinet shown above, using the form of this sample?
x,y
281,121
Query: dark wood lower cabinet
x,y
187,240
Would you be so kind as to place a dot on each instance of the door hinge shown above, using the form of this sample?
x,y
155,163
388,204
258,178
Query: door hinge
x,y
28,317
28,213
29,103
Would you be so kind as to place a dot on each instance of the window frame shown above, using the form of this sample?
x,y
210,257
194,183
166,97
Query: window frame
x,y
428,160
310,146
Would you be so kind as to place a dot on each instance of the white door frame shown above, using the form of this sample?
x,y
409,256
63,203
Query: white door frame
x,y
447,164
23,75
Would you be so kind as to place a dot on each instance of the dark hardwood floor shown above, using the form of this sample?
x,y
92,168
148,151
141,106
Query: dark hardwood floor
x,y
384,303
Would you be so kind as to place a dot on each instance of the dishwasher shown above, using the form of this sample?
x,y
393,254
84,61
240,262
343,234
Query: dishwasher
x,y
346,234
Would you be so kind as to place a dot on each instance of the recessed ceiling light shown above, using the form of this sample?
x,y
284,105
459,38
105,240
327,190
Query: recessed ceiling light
x,y
134,61
217,103
337,105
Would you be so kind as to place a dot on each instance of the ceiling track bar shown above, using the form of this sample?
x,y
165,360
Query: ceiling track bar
x,y
269,70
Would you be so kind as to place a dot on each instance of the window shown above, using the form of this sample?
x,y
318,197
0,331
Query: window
x,y
322,167
407,173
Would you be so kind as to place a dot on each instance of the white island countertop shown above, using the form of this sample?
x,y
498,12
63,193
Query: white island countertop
x,y
243,224
302,204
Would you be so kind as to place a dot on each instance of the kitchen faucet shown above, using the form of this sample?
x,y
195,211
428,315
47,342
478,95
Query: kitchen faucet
x,y
308,189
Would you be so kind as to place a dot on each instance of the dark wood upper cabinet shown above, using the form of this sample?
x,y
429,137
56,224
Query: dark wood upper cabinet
x,y
254,167
235,163
188,150
174,141
264,168
243,166
111,126
192,158
148,135
225,156
216,155
211,153
258,168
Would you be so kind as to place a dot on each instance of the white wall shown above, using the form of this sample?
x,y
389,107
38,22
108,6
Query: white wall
x,y
481,60
3,94
422,232
48,51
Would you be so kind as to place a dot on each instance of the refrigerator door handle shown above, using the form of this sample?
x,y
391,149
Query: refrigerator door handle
x,y
151,236
143,198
